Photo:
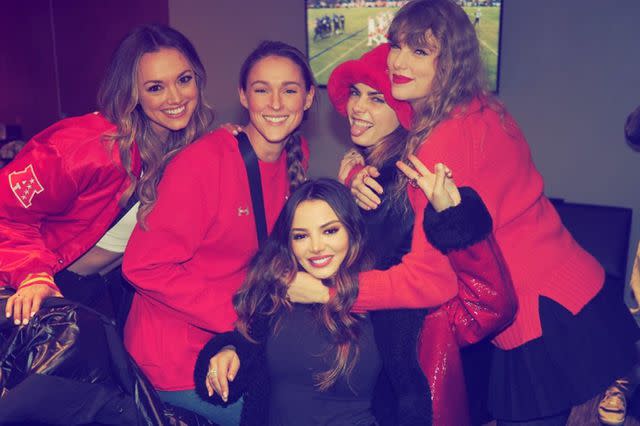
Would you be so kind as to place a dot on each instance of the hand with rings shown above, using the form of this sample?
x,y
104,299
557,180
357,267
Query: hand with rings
x,y
438,187
350,159
223,368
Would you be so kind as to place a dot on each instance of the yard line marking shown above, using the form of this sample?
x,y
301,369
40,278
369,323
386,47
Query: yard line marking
x,y
334,45
339,57
488,47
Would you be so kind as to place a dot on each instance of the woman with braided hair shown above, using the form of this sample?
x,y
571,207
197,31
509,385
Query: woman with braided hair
x,y
191,258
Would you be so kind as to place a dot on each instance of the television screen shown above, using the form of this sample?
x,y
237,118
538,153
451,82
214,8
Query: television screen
x,y
339,30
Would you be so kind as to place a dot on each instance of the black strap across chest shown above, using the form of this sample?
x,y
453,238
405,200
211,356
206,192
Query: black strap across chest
x,y
255,184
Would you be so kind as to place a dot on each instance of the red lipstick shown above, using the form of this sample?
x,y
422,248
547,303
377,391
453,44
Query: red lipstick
x,y
400,79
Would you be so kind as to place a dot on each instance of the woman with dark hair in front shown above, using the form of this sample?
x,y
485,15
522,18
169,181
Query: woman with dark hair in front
x,y
562,349
62,196
319,364
190,258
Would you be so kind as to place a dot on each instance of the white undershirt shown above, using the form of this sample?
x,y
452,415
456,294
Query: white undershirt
x,y
116,238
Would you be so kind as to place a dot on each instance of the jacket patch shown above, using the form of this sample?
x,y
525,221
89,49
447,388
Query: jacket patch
x,y
25,185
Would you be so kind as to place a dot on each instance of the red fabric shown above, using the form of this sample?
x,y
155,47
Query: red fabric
x,y
486,302
489,153
192,258
78,182
370,69
352,174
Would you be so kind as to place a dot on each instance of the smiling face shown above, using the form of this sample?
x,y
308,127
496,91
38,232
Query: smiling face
x,y
167,90
370,117
319,241
412,69
276,98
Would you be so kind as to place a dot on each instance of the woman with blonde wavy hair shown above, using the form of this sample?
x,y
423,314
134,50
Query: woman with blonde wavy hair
x,y
563,348
191,257
63,199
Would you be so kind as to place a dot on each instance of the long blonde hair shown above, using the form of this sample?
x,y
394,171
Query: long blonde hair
x,y
118,101
444,27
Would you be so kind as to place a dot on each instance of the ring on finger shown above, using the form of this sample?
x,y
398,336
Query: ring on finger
x,y
414,182
212,373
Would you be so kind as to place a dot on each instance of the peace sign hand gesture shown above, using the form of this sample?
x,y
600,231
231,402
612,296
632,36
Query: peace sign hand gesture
x,y
439,187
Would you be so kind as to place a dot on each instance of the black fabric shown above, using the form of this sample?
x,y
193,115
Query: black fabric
x,y
576,358
253,174
300,349
402,386
251,381
69,366
121,294
390,226
458,227
91,291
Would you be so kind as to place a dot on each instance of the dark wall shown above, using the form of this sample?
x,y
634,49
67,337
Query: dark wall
x,y
53,54
28,93
86,34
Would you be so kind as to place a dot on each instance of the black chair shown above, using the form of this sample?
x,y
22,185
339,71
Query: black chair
x,y
603,231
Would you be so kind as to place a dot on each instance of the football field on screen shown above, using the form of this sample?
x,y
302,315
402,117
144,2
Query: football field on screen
x,y
326,53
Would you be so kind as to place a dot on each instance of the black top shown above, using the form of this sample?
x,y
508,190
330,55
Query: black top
x,y
300,349
389,227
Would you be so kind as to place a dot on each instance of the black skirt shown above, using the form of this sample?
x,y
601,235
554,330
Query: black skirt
x,y
576,358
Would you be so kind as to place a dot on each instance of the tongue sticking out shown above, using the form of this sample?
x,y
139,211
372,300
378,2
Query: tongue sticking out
x,y
358,130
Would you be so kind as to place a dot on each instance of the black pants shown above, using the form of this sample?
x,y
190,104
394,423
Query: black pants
x,y
110,294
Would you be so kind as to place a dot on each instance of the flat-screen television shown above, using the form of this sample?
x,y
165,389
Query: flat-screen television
x,y
339,30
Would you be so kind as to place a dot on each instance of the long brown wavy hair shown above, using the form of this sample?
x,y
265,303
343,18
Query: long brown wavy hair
x,y
292,146
119,103
274,267
441,26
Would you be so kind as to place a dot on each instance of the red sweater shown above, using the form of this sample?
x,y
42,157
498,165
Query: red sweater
x,y
490,154
191,260
59,196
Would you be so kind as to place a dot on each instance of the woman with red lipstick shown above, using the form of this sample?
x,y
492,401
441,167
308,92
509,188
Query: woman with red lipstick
x,y
68,186
561,349
191,258
426,340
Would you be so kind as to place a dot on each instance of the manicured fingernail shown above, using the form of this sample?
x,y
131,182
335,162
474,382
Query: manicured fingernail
x,y
25,321
7,314
225,395
210,394
231,377
32,314
16,322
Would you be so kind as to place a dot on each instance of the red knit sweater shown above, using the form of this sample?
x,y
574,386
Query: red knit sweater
x,y
191,260
490,154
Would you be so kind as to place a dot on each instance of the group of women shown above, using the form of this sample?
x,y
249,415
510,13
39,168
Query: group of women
x,y
352,310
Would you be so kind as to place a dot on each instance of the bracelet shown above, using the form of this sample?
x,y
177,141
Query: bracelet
x,y
39,278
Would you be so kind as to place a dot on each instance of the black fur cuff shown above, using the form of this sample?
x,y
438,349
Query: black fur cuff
x,y
458,227
239,384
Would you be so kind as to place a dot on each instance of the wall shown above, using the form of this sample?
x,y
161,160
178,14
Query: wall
x,y
570,74
87,33
53,54
28,91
